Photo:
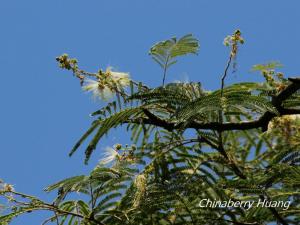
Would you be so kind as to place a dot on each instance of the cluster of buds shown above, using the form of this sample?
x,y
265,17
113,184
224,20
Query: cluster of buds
x,y
141,185
108,82
286,127
115,154
128,152
284,132
67,63
4,187
274,79
233,41
104,83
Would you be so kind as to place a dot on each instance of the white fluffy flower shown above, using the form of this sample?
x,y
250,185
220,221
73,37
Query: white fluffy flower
x,y
107,84
120,78
7,187
99,91
227,40
109,156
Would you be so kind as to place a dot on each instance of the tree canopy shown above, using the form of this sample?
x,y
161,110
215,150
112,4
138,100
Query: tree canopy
x,y
237,143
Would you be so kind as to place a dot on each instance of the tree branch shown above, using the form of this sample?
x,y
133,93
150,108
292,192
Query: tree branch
x,y
262,122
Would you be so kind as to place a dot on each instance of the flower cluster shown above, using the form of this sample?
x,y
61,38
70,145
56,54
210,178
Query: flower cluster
x,y
140,184
233,39
286,127
107,83
4,187
274,79
66,63
113,154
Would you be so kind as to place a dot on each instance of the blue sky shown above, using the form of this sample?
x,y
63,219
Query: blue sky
x,y
43,110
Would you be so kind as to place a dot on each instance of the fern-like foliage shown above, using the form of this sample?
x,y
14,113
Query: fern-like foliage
x,y
103,126
166,52
181,154
232,101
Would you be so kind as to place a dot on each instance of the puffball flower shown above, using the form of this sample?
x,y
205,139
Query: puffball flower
x,y
121,79
107,84
7,187
99,91
110,155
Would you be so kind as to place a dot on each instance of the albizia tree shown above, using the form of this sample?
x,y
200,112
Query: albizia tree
x,y
238,143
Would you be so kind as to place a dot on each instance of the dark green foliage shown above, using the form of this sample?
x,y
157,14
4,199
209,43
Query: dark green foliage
x,y
181,153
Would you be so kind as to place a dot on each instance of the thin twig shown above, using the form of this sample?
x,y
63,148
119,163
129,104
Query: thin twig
x,y
225,73
165,71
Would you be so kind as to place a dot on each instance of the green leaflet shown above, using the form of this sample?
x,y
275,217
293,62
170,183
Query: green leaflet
x,y
231,100
104,125
6,219
95,124
165,52
79,207
73,183
108,123
267,66
178,93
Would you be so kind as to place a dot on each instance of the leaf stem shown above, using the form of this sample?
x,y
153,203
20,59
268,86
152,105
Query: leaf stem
x,y
165,70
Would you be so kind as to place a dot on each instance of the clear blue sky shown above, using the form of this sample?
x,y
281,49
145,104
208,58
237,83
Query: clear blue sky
x,y
43,111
